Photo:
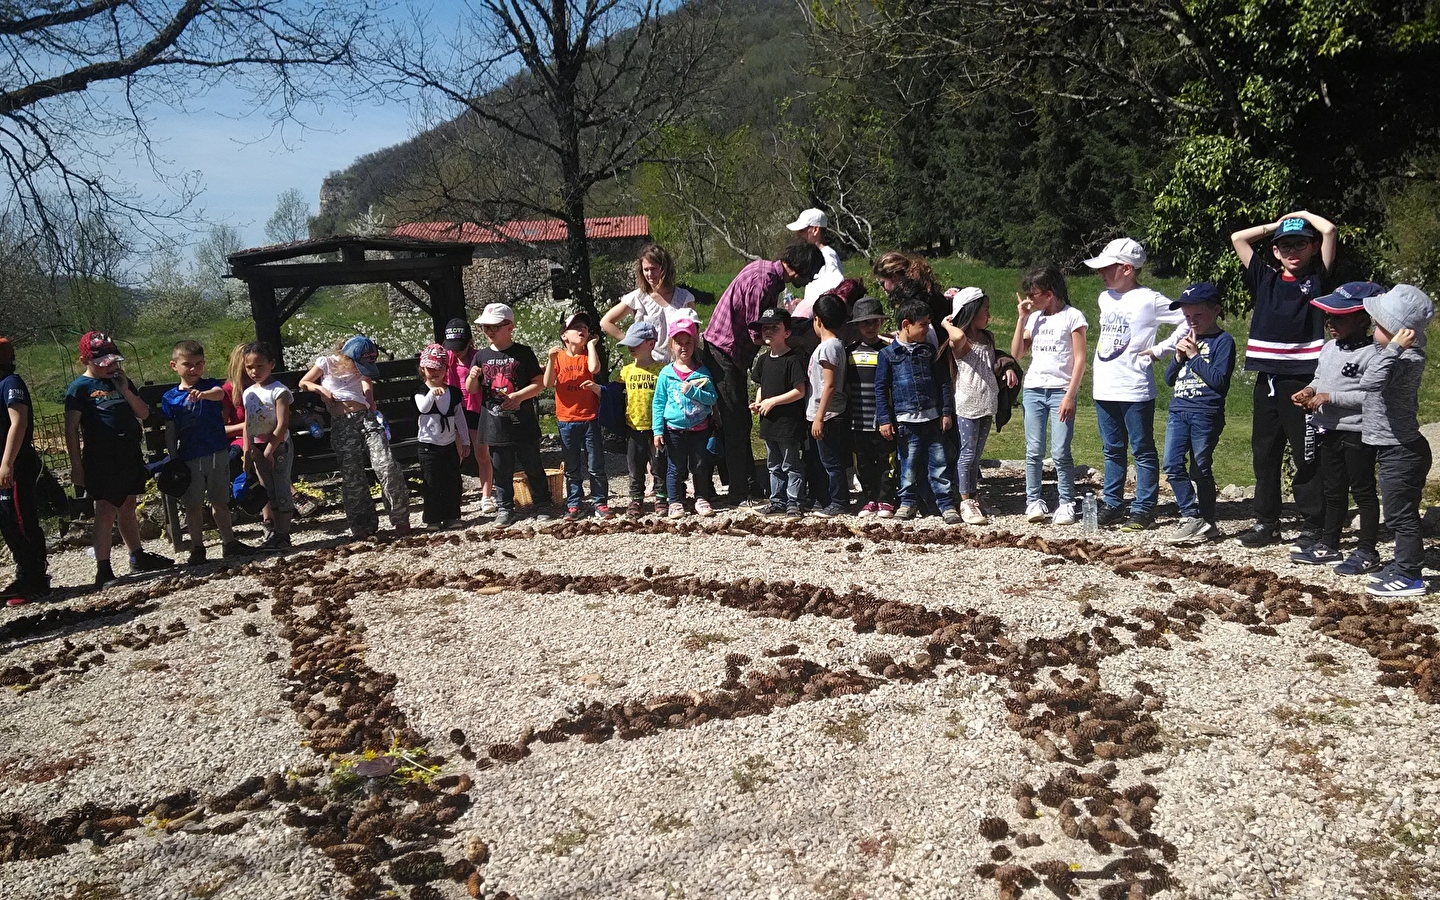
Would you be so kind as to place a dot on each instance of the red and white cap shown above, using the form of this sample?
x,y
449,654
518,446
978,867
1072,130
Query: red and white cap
x,y
434,356
96,349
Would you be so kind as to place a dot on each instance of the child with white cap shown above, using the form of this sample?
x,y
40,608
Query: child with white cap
x,y
508,378
1124,380
980,370
443,438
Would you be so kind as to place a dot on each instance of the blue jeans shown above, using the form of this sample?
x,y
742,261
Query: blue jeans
x,y
920,443
972,434
686,457
583,448
1194,434
1134,420
826,461
1042,409
787,473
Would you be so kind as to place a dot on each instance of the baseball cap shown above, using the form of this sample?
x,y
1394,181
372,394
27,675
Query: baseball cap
x,y
685,325
97,349
1199,292
1121,251
576,316
867,308
639,333
434,356
773,316
496,314
807,218
364,353
7,352
1348,297
457,334
1295,227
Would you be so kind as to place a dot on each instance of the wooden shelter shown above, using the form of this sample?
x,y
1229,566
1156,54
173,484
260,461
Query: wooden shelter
x,y
279,285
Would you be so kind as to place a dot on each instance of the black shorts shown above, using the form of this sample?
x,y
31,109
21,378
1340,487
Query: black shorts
x,y
472,418
114,471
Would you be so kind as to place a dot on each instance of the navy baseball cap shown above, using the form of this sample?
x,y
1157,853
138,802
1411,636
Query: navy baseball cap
x,y
1295,227
364,353
1348,297
1200,292
639,333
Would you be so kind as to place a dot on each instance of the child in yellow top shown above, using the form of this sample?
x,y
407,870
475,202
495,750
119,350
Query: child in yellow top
x,y
638,376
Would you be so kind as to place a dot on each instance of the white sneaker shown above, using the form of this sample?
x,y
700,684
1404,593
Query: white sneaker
x,y
971,512
1065,514
487,506
1036,511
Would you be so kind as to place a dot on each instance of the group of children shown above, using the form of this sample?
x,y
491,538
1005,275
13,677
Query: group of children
x,y
909,413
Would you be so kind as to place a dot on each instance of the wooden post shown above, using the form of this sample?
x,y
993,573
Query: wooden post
x,y
267,322
447,300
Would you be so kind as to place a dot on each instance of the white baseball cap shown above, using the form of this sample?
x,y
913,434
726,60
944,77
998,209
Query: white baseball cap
x,y
808,218
1121,251
496,314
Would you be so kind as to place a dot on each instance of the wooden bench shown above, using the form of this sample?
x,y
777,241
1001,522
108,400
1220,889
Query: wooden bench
x,y
395,389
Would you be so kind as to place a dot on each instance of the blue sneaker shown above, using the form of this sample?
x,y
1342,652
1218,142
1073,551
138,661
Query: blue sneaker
x,y
1361,561
1385,574
1397,585
1317,554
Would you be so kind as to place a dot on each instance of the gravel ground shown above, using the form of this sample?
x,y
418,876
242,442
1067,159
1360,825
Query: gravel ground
x,y
1279,767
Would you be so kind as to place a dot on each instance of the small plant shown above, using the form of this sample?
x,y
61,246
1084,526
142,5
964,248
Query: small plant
x,y
668,822
562,843
752,772
696,641
850,729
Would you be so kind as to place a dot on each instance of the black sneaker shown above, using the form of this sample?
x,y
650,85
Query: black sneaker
x,y
1109,515
145,561
104,574
19,593
1305,540
1317,554
1361,561
276,543
1260,535
235,548
775,509
1138,522
197,556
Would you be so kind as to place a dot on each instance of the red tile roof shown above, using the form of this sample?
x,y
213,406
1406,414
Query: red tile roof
x,y
528,231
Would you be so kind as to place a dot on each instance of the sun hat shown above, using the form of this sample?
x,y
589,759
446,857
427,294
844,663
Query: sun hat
x,y
808,218
1121,251
434,356
496,314
866,309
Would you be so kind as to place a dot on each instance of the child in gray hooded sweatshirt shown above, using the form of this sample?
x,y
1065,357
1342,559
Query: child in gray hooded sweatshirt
x,y
1390,423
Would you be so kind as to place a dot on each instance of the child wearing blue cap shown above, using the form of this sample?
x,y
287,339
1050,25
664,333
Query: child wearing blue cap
x,y
639,376
344,379
1287,263
1200,377
1334,401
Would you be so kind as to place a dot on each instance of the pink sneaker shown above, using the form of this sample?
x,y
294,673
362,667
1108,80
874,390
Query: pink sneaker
x,y
886,511
702,507
868,509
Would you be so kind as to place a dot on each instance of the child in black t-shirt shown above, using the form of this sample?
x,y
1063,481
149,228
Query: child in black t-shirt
x,y
1286,334
874,456
780,373
19,472
102,435
508,378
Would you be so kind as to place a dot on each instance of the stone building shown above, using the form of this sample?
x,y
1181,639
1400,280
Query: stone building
x,y
516,262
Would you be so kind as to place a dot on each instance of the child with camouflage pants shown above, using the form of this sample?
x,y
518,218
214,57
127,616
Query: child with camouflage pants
x,y
344,380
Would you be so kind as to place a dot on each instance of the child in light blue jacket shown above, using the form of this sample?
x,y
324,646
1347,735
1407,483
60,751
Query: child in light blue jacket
x,y
680,417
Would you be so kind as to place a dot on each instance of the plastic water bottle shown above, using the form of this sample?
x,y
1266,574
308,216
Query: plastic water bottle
x,y
1090,515
787,300
316,429
380,417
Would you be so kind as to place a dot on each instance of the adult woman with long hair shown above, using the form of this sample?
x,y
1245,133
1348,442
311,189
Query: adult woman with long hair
x,y
655,299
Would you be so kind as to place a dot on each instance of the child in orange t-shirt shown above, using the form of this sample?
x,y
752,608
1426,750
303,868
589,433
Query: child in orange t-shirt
x,y
571,371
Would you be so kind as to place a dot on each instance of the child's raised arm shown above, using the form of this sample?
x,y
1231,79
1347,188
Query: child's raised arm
x,y
549,377
1329,235
1020,343
592,350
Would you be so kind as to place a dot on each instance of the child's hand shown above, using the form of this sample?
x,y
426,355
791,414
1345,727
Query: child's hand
x,y
1067,408
1024,305
817,429
1316,401
594,339
1405,337
553,352
510,403
757,406
463,450
77,476
1186,347
887,431
270,451
591,386
1011,379
1302,396
945,423
438,391
659,442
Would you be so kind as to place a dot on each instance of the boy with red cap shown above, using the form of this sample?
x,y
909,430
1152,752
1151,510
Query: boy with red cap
x,y
19,471
102,436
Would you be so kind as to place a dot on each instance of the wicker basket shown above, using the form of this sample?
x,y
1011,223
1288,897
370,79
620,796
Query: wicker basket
x,y
556,479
